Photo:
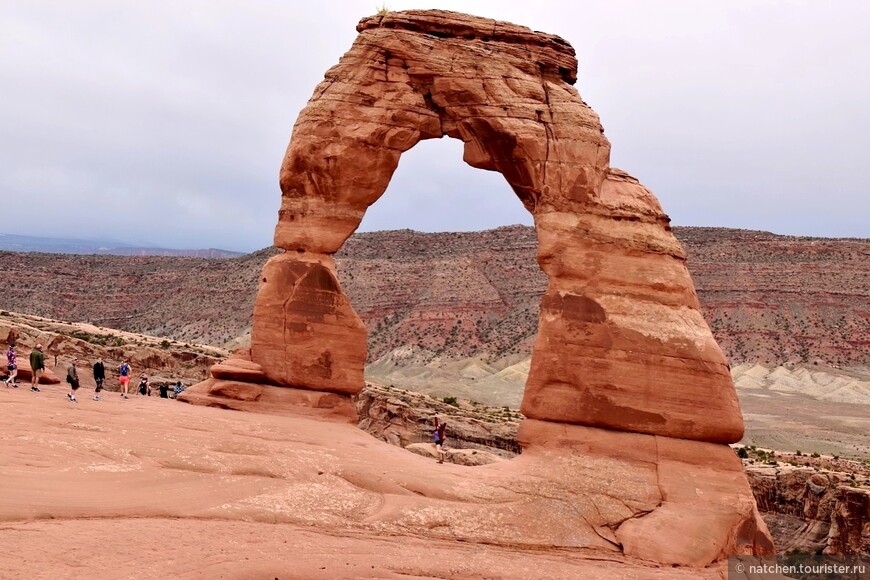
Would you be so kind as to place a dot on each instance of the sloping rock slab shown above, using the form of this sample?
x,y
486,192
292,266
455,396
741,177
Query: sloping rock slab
x,y
259,398
692,504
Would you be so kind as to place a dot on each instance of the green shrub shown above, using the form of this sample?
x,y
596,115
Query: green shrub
x,y
451,401
98,339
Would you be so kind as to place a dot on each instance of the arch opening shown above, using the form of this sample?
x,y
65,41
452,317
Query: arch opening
x,y
433,190
619,300
447,312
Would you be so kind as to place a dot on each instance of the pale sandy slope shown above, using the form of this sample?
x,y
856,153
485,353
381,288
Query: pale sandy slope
x,y
502,383
790,408
821,383
151,488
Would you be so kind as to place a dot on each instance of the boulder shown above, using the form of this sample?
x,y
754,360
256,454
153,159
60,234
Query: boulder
x,y
25,374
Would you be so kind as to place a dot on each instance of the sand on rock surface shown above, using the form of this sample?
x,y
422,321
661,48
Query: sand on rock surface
x,y
155,488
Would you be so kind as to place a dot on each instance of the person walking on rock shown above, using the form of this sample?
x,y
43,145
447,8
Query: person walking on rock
x,y
99,377
37,366
124,371
11,366
438,436
72,377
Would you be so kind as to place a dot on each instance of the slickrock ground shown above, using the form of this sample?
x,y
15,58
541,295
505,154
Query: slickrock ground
x,y
156,488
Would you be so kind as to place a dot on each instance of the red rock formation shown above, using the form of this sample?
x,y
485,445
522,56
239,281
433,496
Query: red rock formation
x,y
620,300
622,344
812,512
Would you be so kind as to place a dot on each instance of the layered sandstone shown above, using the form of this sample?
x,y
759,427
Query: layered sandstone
x,y
619,301
162,360
628,399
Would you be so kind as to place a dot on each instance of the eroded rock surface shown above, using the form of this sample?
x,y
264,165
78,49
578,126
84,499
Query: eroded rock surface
x,y
245,494
811,511
619,301
405,418
628,399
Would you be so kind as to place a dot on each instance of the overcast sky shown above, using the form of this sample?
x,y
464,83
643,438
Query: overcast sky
x,y
164,122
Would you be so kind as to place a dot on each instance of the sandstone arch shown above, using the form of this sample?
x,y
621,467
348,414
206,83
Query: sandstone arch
x,y
629,398
621,344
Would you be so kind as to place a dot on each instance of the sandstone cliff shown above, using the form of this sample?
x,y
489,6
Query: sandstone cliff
x,y
811,511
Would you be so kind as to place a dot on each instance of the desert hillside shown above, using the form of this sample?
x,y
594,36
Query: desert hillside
x,y
451,296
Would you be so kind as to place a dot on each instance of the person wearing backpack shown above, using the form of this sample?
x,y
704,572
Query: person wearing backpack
x,y
144,386
438,436
124,372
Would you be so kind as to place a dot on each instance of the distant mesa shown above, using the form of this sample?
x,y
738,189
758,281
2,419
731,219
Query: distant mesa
x,y
626,381
16,243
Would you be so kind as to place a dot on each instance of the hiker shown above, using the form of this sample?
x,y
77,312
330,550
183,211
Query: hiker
x,y
164,390
37,366
11,366
99,377
72,377
178,389
144,385
124,378
438,436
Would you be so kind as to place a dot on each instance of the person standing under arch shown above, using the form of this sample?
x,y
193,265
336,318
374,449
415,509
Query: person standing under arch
x,y
438,435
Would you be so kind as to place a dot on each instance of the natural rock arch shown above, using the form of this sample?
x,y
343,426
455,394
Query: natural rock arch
x,y
621,344
628,399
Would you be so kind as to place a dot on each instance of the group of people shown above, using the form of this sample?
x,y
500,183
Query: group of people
x,y
37,366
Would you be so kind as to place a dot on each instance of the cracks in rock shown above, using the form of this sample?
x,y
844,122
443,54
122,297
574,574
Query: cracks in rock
x,y
321,92
433,106
643,513
658,475
286,340
548,131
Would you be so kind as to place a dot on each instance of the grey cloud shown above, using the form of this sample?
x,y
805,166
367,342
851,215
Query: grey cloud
x,y
165,122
